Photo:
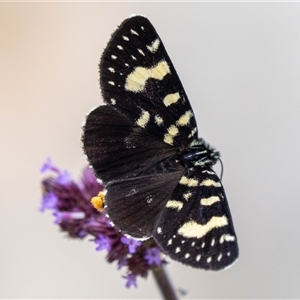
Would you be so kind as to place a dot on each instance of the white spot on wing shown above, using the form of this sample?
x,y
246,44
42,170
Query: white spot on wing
x,y
133,32
187,255
212,242
169,242
192,229
125,38
219,257
111,83
111,70
113,56
120,47
208,259
134,58
177,250
227,238
141,51
198,257
159,231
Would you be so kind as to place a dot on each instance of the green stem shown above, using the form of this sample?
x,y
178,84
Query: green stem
x,y
164,283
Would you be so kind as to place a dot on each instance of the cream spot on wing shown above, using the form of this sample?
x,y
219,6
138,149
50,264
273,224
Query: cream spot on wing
x,y
111,70
119,47
136,80
171,99
192,229
227,238
158,120
143,120
185,118
193,132
111,83
113,101
208,172
154,46
188,181
172,132
209,201
125,38
209,182
174,204
187,195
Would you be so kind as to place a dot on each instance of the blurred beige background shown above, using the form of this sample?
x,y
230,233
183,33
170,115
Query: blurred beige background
x,y
240,65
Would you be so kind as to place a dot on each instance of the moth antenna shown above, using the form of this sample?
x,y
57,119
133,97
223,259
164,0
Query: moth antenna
x,y
222,168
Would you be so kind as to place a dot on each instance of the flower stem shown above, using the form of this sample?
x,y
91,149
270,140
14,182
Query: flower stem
x,y
164,283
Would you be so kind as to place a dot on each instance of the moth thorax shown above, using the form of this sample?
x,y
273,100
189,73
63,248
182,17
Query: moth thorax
x,y
199,153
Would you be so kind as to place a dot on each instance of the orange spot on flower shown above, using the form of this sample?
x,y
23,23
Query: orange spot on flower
x,y
98,201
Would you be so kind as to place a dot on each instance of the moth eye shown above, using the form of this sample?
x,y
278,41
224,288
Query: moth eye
x,y
144,145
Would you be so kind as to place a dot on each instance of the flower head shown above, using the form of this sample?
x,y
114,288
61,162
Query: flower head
x,y
70,203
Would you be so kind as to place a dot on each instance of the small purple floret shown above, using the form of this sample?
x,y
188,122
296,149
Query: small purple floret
x,y
49,201
48,166
103,242
67,216
132,244
130,280
152,256
64,178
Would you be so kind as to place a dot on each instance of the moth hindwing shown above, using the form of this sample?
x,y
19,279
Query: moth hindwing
x,y
143,144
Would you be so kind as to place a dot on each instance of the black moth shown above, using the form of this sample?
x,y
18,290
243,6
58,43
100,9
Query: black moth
x,y
143,145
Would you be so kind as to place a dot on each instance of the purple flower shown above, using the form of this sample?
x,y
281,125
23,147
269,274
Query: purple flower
x,y
64,178
153,256
130,280
67,216
48,166
70,203
49,201
132,244
102,242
